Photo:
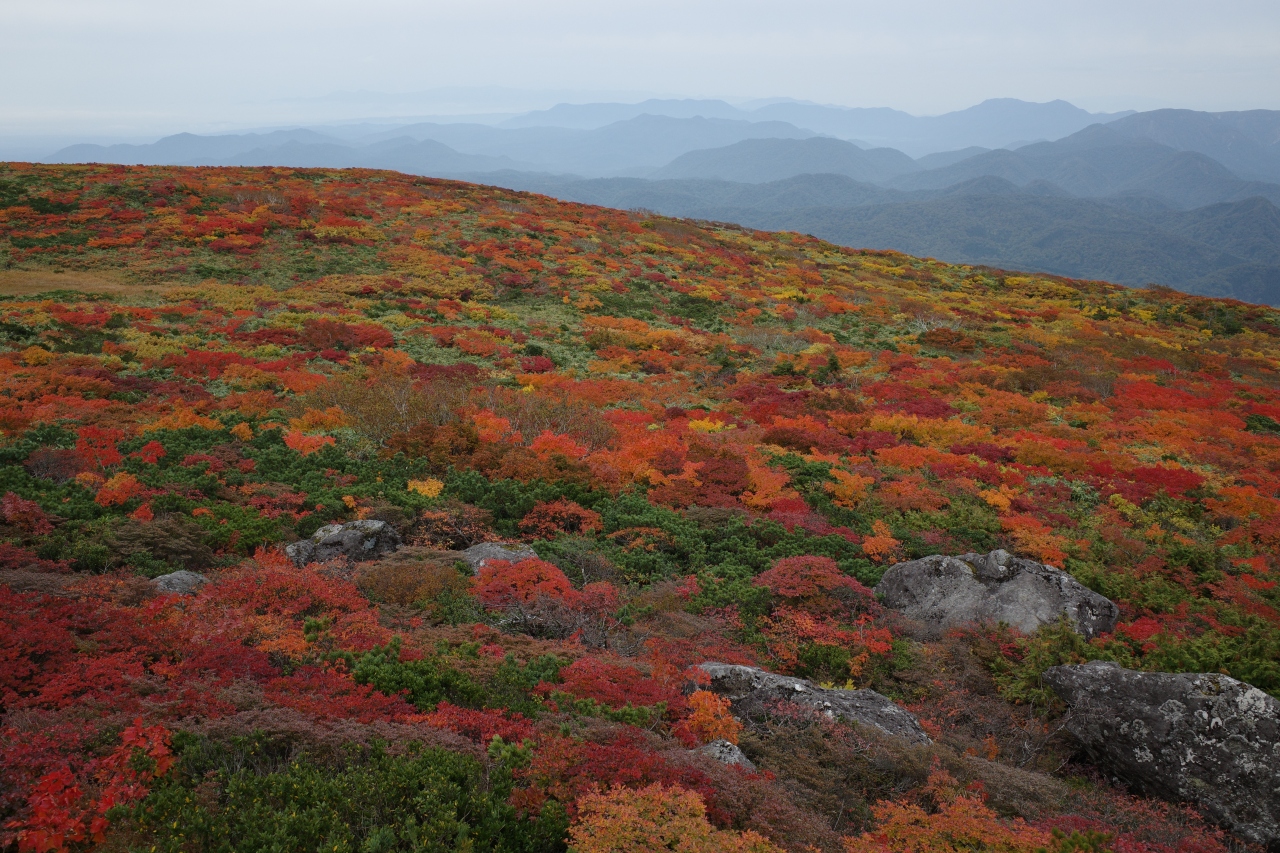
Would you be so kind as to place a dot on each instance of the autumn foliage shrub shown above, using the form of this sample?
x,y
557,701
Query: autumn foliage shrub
x,y
500,583
452,525
382,403
961,822
816,584
623,820
557,518
614,685
710,718
411,576
536,597
25,515
61,813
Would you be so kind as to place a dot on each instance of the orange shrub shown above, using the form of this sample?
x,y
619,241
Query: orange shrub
x,y
711,719
961,824
654,819
121,488
880,544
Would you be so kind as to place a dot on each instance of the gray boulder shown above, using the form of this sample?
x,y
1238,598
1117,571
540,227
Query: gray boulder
x,y
941,592
477,555
752,692
179,583
727,753
355,541
1199,737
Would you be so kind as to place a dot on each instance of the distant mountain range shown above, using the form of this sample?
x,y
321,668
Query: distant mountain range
x,y
1176,197
992,124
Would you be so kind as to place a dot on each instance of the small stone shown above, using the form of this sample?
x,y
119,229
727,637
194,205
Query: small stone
x,y
941,592
727,753
179,583
477,555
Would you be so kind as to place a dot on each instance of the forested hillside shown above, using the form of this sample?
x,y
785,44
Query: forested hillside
x,y
715,439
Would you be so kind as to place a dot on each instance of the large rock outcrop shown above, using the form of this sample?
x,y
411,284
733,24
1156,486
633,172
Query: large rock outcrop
x,y
1204,738
355,541
752,692
941,592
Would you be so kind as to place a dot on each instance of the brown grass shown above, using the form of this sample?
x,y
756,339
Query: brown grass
x,y
411,576
30,282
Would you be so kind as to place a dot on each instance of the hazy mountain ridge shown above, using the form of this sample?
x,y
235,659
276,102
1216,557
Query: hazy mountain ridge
x,y
993,123
639,144
1097,199
760,160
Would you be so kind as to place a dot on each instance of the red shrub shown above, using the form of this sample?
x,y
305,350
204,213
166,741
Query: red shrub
x,y
613,685
500,583
563,769
96,446
816,584
322,334
549,520
482,726
26,515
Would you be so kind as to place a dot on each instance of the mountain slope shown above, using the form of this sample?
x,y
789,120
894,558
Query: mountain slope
x,y
1073,237
1247,143
695,442
1099,162
985,220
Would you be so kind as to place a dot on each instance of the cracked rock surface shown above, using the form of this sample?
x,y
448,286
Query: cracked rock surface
x,y
181,582
753,691
355,541
477,555
727,753
1204,738
941,592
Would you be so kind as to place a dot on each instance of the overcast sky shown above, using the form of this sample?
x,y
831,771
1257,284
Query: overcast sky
x,y
142,66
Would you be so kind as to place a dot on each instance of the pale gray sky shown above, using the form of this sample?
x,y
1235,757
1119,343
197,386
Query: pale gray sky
x,y
144,66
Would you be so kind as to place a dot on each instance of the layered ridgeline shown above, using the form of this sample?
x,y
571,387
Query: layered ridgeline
x,y
715,440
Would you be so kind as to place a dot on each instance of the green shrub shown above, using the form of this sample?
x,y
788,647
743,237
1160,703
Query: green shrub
x,y
425,682
425,800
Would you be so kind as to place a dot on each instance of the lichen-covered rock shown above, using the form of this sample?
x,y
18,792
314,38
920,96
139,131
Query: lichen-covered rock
x,y
1200,737
179,583
477,555
941,592
355,541
727,753
752,692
